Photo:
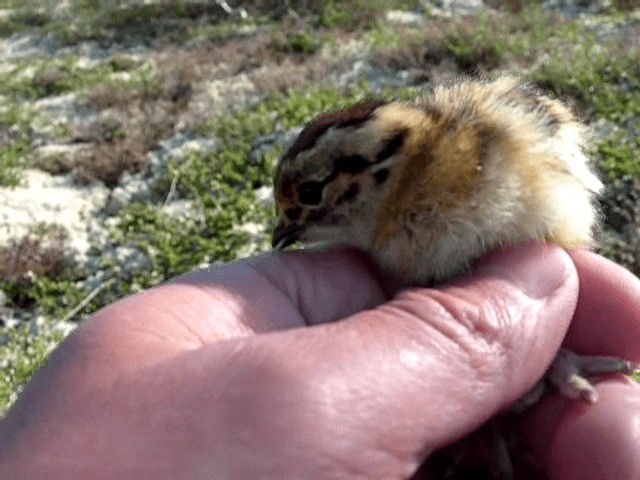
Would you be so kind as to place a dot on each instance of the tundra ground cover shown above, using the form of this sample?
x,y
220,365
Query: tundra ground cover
x,y
167,122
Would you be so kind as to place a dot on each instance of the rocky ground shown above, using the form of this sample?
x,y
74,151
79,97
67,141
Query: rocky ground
x,y
137,141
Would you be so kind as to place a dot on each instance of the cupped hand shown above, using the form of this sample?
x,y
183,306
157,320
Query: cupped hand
x,y
296,365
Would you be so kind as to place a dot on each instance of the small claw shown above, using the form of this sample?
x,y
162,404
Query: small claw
x,y
569,371
577,386
568,374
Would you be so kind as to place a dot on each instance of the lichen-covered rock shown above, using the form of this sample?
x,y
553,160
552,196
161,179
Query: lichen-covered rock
x,y
46,199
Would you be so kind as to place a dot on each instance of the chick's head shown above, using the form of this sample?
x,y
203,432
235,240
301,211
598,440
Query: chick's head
x,y
328,184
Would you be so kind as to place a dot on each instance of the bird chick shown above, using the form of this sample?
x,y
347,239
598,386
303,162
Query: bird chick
x,y
428,186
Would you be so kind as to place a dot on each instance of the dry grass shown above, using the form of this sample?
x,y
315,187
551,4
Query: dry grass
x,y
417,51
107,162
121,142
223,58
39,253
107,96
625,5
132,122
445,40
272,63
289,75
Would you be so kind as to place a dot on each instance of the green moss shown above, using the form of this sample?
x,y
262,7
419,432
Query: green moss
x,y
121,63
22,354
124,21
55,296
473,49
30,17
495,40
14,154
23,19
358,13
177,245
603,78
12,162
302,43
620,156
16,116
605,82
217,31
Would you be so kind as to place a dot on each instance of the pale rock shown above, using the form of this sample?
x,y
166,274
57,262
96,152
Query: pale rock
x,y
458,7
131,188
22,46
237,89
264,196
199,145
131,259
402,17
47,199
55,150
258,239
181,209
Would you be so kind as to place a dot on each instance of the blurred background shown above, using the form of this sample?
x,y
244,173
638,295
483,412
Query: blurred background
x,y
138,139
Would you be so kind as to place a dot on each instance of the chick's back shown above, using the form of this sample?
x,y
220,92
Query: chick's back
x,y
486,164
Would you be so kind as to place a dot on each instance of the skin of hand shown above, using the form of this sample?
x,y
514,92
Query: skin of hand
x,y
244,371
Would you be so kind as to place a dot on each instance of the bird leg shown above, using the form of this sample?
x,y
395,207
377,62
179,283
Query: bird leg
x,y
568,374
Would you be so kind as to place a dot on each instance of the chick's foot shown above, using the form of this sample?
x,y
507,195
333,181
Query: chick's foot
x,y
568,374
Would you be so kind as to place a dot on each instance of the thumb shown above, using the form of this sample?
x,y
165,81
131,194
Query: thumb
x,y
419,372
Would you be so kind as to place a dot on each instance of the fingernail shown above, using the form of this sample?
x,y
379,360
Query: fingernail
x,y
536,268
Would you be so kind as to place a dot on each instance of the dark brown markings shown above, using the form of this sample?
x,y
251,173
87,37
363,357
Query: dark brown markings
x,y
391,148
533,99
315,216
381,176
553,124
351,164
347,117
310,193
293,213
349,194
287,188
432,112
552,118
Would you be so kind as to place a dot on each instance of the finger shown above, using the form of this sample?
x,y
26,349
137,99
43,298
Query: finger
x,y
589,441
607,318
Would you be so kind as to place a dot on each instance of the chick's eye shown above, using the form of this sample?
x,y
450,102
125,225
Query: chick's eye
x,y
310,193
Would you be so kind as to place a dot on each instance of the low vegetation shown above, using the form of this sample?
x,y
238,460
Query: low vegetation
x,y
203,73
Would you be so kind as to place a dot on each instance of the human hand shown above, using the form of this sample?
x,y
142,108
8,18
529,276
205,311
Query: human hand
x,y
244,371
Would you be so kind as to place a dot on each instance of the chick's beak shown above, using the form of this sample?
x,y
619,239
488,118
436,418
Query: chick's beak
x,y
285,234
